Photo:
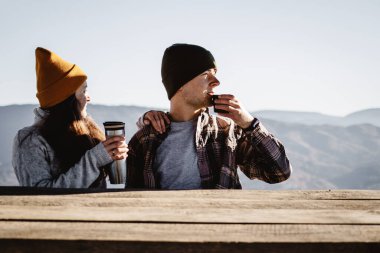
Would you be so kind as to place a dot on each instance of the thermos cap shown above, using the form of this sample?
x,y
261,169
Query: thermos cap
x,y
114,125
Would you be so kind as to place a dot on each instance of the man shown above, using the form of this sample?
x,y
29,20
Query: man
x,y
199,150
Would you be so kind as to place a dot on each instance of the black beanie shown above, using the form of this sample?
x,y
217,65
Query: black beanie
x,y
183,62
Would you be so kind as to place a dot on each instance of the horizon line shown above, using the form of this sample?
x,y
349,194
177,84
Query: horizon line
x,y
165,109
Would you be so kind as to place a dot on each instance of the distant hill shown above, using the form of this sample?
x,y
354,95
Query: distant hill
x,y
13,118
369,116
329,156
324,156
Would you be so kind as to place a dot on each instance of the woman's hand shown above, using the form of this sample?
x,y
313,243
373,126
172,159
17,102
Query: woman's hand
x,y
116,147
157,119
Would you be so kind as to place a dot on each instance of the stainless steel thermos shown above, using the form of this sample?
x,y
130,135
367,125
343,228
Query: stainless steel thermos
x,y
118,168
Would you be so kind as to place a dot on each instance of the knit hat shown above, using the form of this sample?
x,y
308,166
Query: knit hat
x,y
183,62
57,79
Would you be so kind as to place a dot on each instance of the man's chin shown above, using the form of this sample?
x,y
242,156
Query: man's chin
x,y
207,105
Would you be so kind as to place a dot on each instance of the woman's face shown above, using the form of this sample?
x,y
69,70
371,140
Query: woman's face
x,y
83,98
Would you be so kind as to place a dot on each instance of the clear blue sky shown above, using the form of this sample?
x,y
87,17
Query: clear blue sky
x,y
302,55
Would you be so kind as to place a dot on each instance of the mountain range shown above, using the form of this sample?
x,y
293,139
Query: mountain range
x,y
369,116
326,152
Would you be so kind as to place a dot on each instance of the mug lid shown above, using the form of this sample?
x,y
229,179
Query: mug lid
x,y
114,125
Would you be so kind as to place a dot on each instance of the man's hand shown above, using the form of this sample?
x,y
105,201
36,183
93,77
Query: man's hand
x,y
235,110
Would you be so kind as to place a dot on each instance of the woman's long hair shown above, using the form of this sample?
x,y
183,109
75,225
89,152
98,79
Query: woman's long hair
x,y
69,133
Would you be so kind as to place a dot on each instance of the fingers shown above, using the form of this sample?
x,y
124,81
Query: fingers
x,y
119,153
226,96
113,139
158,122
116,147
157,119
228,108
231,112
120,157
227,103
231,102
166,118
234,109
226,99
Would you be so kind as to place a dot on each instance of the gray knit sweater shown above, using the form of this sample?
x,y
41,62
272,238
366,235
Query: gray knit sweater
x,y
35,164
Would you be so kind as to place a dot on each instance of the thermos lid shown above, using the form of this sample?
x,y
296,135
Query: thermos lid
x,y
114,125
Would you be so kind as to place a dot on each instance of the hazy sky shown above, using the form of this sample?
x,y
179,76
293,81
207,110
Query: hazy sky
x,y
302,55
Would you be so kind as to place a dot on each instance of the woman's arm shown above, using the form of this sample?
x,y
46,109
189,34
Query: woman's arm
x,y
34,164
158,119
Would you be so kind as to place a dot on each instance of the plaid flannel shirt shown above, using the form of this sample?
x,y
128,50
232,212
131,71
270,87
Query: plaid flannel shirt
x,y
221,147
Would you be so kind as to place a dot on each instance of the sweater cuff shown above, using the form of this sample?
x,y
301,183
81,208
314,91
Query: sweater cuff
x,y
101,154
140,122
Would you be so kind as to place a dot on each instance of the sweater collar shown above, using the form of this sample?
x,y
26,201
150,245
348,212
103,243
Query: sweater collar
x,y
39,115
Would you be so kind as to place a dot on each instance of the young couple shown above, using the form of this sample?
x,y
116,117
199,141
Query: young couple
x,y
187,148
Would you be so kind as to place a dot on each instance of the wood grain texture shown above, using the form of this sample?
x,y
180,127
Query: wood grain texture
x,y
232,233
210,206
209,194
82,220
179,202
191,215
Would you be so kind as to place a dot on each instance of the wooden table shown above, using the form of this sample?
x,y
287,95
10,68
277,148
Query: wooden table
x,y
58,220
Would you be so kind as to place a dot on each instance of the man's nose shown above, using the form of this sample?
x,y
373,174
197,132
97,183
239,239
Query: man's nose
x,y
215,82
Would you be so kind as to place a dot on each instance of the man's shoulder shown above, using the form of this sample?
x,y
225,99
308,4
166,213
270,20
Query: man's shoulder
x,y
144,134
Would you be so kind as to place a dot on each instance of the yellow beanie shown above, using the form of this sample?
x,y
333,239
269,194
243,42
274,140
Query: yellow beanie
x,y
57,79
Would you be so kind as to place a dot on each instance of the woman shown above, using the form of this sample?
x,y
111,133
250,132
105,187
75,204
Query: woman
x,y
64,148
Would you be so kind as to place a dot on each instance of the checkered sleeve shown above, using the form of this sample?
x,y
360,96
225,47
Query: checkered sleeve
x,y
260,155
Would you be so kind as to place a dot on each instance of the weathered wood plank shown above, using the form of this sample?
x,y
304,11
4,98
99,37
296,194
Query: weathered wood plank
x,y
251,194
179,206
209,194
190,215
110,201
232,233
189,221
